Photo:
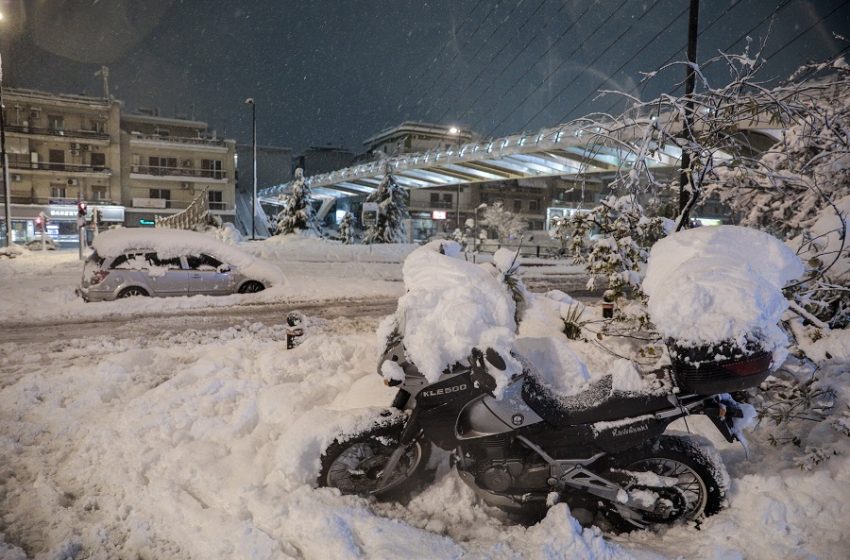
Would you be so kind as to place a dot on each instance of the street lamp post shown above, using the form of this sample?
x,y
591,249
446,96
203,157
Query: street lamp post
x,y
250,101
455,131
7,189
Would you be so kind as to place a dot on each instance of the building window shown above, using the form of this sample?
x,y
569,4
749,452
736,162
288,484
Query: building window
x,y
447,197
517,206
98,193
162,165
56,123
164,194
57,191
533,205
215,200
98,161
212,168
435,197
56,159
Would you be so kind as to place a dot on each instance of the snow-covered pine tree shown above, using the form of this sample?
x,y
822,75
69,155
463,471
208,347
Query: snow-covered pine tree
x,y
346,228
297,214
392,205
506,224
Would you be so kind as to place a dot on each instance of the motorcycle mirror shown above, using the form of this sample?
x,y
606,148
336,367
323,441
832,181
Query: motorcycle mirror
x,y
495,359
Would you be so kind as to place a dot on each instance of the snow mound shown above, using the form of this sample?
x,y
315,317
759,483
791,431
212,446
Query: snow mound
x,y
169,243
450,307
724,283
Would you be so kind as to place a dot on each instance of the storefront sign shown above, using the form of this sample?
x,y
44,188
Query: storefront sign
x,y
438,215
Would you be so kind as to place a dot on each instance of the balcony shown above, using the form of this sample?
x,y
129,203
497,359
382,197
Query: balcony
x,y
179,172
22,164
172,205
189,141
56,132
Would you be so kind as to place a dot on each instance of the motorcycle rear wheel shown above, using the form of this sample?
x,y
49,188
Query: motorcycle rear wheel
x,y
699,478
354,464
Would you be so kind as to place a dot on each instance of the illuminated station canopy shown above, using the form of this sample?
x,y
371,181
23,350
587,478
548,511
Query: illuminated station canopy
x,y
564,151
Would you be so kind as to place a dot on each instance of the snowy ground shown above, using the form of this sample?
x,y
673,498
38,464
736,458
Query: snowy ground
x,y
205,444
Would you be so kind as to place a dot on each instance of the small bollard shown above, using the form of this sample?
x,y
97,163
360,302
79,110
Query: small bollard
x,y
607,310
293,332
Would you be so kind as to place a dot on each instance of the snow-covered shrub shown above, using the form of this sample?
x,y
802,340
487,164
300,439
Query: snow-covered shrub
x,y
392,213
617,255
506,224
297,214
346,228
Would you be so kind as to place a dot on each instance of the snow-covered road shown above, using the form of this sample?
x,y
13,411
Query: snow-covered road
x,y
184,429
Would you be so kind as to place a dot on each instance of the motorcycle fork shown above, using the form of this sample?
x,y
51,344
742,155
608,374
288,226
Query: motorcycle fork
x,y
411,430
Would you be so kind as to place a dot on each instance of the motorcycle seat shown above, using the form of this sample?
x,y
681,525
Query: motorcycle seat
x,y
599,402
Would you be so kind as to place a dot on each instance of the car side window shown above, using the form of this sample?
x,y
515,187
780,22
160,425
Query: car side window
x,y
130,261
154,260
203,262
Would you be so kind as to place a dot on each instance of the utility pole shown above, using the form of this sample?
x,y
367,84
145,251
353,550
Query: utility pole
x,y
686,180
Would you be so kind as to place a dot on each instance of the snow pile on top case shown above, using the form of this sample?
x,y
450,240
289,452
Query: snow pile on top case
x,y
450,307
170,243
716,284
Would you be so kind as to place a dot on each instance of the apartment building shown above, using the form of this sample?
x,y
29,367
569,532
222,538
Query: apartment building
x,y
166,162
69,148
61,148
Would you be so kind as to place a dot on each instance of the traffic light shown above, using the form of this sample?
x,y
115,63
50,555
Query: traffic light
x,y
81,209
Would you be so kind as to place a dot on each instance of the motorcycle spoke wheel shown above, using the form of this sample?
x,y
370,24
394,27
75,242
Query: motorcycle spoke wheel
x,y
356,466
688,481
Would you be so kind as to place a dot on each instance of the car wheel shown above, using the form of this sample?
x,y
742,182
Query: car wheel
x,y
251,287
131,291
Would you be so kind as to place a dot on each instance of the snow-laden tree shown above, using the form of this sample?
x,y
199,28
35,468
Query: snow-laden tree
x,y
297,214
346,228
506,224
392,213
622,235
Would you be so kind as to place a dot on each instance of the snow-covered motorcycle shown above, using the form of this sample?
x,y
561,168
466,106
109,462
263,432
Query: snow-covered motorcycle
x,y
602,451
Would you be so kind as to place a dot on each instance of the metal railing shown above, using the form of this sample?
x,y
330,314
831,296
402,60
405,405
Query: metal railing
x,y
178,171
61,132
178,139
15,163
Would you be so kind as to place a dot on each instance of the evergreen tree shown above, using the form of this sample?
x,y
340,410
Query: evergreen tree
x,y
392,205
297,213
346,228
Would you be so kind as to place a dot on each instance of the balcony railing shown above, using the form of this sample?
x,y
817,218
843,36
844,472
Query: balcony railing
x,y
179,171
90,134
171,204
178,139
15,163
434,203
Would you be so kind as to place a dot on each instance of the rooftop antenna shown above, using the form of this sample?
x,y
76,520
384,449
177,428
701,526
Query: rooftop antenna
x,y
104,71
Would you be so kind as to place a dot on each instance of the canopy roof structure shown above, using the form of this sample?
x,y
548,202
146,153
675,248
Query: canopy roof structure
x,y
567,151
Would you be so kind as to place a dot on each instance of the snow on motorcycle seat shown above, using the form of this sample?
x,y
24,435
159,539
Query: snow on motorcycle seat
x,y
597,403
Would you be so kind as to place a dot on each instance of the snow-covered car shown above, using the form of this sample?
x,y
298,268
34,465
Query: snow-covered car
x,y
164,262
36,244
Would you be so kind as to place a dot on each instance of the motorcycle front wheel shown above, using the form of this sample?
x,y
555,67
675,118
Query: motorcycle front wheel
x,y
355,464
693,474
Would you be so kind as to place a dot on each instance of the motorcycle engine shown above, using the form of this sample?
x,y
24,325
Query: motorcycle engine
x,y
500,465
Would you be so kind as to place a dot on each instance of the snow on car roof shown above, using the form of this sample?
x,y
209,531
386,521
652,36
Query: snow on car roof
x,y
174,243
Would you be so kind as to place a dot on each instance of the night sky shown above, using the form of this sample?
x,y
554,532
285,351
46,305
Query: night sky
x,y
337,71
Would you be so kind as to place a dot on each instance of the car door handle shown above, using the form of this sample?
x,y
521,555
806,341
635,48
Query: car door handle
x,y
196,276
